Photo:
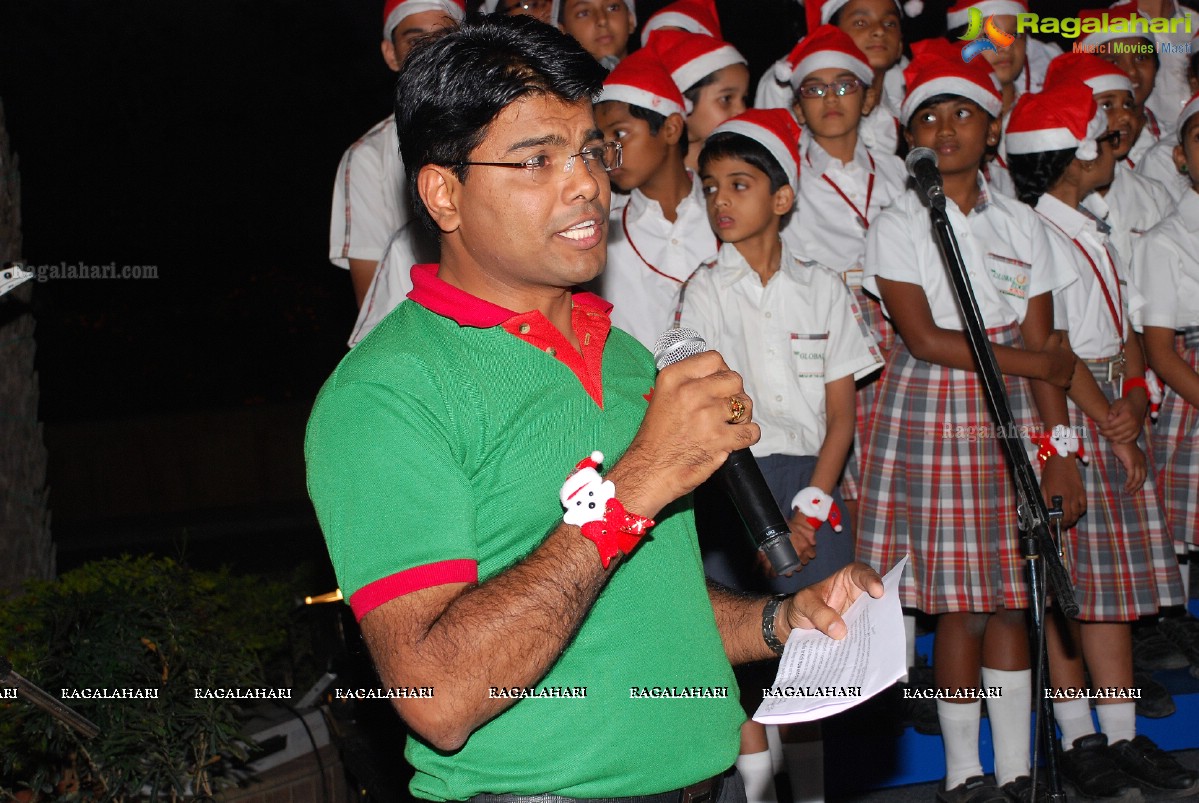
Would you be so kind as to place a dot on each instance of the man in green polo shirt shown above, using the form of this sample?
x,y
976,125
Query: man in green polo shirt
x,y
586,661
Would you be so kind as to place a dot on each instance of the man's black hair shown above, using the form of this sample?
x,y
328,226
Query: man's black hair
x,y
730,145
1034,173
454,84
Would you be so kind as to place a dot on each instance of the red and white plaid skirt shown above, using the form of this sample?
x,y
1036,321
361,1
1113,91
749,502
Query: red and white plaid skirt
x,y
1120,555
936,485
1175,444
875,322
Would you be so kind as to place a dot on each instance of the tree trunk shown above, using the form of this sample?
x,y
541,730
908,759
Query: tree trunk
x,y
26,550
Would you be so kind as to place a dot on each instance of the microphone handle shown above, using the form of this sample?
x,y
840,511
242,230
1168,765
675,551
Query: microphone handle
x,y
742,480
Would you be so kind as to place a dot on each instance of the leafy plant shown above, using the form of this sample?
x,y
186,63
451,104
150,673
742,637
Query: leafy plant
x,y
147,625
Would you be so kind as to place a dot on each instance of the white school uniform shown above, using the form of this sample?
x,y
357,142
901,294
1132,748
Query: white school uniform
x,y
1133,205
650,257
411,245
1007,253
1151,134
1165,268
1171,90
1038,54
1081,308
1158,164
787,340
370,201
880,130
836,202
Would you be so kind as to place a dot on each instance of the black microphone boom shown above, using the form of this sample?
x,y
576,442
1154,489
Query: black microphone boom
x,y
740,475
922,166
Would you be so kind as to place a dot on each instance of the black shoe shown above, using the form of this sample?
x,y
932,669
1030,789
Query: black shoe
x,y
921,712
1020,791
1091,770
1152,651
976,789
1155,701
1183,633
1153,768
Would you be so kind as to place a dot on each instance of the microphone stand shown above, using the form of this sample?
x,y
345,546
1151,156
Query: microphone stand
x,y
1040,552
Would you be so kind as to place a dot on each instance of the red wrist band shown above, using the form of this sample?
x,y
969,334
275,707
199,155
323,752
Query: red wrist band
x,y
1136,382
618,532
591,505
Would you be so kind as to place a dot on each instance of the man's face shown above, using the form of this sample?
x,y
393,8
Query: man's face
x,y
602,27
873,25
410,29
530,232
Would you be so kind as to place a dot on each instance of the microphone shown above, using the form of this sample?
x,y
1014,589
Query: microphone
x,y
922,166
740,476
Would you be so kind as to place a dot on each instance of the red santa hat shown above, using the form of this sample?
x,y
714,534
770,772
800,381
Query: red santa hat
x,y
959,13
394,11
641,80
691,57
1099,75
586,472
694,16
826,46
937,68
1060,117
820,12
1124,16
1191,108
773,129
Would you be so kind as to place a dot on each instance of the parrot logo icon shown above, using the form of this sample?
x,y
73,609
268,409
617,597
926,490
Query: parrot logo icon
x,y
991,37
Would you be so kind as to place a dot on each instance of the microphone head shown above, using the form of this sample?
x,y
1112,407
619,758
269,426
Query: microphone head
x,y
677,344
917,155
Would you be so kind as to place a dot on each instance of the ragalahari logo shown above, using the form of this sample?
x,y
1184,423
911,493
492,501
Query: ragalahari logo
x,y
992,37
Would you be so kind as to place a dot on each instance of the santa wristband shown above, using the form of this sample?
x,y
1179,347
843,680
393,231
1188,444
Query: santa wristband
x,y
1061,442
818,507
592,506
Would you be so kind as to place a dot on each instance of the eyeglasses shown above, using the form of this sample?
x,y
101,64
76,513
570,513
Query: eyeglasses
x,y
541,167
847,86
534,6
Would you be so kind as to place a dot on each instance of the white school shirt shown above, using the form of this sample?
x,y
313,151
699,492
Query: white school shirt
x,y
787,339
1145,140
1006,251
1170,89
411,245
370,201
1133,205
1038,54
1158,164
643,287
1081,307
824,227
1165,267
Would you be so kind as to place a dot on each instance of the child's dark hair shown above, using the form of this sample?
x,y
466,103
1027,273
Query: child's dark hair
x,y
655,121
692,92
1034,173
729,145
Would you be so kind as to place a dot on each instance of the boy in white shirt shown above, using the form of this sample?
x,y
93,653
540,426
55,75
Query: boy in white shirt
x,y
370,199
791,329
662,233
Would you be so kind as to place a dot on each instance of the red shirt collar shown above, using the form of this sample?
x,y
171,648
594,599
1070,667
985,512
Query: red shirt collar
x,y
459,306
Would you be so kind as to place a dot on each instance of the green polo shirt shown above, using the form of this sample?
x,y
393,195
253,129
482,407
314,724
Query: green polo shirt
x,y
435,454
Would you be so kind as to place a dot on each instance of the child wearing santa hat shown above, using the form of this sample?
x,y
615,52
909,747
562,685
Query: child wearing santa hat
x,y
1165,267
874,25
602,27
1119,555
541,9
933,486
658,237
1131,204
1157,162
692,16
370,201
792,330
711,74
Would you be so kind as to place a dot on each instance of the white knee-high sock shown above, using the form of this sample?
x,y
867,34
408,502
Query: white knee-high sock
x,y
1011,721
959,732
1074,719
758,774
775,742
1117,721
909,640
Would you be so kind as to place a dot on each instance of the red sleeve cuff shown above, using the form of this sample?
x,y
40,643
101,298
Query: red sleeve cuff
x,y
385,589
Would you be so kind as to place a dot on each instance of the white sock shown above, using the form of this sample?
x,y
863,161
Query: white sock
x,y
1118,721
1184,566
775,742
1074,719
758,775
909,640
1011,721
959,732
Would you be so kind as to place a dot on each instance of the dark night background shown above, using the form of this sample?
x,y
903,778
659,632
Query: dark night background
x,y
202,138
